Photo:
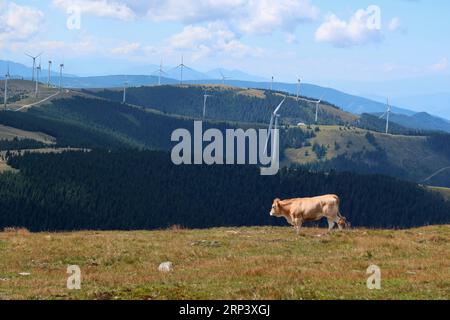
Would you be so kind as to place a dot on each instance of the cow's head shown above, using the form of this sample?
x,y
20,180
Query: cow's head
x,y
276,208
342,222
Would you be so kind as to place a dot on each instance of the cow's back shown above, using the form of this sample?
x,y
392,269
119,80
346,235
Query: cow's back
x,y
313,209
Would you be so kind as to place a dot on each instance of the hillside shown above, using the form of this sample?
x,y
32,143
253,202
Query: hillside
x,y
227,263
21,94
348,102
226,104
407,157
88,119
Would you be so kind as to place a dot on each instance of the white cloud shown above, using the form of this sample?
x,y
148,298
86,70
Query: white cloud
x,y
395,24
356,31
18,22
57,48
265,16
101,8
193,11
202,41
441,66
245,16
291,38
126,48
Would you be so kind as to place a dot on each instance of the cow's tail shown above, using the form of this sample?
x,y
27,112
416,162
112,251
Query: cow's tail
x,y
338,201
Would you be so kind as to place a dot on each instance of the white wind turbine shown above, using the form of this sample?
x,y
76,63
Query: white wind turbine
x,y
5,98
38,72
61,67
34,62
125,86
273,126
160,72
271,84
387,113
224,78
205,98
182,66
49,72
317,108
299,82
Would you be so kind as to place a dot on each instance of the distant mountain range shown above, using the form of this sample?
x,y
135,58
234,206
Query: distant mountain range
x,y
18,70
351,103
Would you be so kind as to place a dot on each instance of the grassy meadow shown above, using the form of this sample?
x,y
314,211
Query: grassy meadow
x,y
227,263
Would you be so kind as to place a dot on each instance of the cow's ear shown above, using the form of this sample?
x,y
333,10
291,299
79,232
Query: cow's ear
x,y
277,202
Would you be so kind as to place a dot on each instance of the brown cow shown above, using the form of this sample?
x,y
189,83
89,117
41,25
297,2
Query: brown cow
x,y
300,210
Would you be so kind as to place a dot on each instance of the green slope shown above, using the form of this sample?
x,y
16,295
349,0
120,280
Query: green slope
x,y
226,103
352,149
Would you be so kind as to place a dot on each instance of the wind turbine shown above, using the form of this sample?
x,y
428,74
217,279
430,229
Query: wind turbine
x,y
61,67
274,118
317,108
271,84
38,72
182,66
124,100
205,98
5,98
161,72
224,78
387,114
299,82
49,72
34,62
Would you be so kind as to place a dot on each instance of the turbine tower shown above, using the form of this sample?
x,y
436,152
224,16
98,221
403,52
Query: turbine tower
x,y
34,63
273,120
5,98
124,100
205,98
317,108
299,82
49,73
182,66
160,72
271,84
38,71
387,114
61,67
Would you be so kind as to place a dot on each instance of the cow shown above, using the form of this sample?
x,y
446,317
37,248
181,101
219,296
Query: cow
x,y
300,210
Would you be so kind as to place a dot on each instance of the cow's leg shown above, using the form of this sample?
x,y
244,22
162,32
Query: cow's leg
x,y
298,225
331,223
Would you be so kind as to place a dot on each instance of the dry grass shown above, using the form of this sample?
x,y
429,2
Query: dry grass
x,y
227,263
9,133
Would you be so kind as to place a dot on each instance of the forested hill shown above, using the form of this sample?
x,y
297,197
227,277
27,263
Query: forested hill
x,y
227,104
82,121
136,190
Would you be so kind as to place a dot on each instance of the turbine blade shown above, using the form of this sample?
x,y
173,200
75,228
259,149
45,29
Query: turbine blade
x,y
279,106
188,68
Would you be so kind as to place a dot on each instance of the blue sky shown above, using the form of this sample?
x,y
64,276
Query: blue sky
x,y
336,43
